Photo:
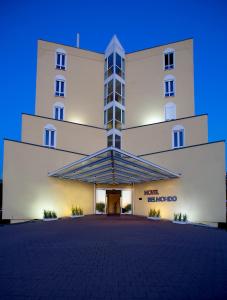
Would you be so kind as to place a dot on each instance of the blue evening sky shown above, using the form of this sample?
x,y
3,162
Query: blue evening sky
x,y
138,25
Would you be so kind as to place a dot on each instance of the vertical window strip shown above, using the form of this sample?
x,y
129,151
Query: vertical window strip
x,y
60,88
52,138
56,113
61,59
169,61
61,113
169,88
47,137
178,138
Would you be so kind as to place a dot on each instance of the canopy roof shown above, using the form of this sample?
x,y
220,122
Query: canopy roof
x,y
113,166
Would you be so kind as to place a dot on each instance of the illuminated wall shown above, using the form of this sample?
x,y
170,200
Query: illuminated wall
x,y
84,77
28,190
200,190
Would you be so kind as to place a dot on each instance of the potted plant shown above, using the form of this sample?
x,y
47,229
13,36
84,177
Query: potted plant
x,y
77,212
127,209
49,215
180,218
100,208
154,214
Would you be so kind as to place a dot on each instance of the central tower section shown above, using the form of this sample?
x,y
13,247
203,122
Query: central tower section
x,y
114,92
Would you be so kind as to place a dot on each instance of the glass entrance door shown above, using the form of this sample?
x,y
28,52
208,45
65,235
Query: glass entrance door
x,y
126,202
113,201
100,205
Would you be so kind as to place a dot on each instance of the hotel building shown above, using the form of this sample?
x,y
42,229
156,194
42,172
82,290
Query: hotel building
x,y
117,129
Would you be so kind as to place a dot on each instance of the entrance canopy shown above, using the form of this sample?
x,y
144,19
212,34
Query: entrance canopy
x,y
113,166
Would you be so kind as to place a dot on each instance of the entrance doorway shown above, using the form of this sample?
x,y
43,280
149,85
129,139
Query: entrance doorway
x,y
113,202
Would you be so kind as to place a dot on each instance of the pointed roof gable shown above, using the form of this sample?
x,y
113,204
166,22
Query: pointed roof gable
x,y
114,46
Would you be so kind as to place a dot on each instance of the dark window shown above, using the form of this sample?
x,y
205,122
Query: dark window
x,y
60,88
118,60
169,88
123,116
60,61
56,113
118,98
118,113
110,140
110,114
123,90
175,139
118,87
178,138
166,59
52,138
181,138
57,85
105,117
110,87
61,113
47,137
123,64
117,141
169,61
110,61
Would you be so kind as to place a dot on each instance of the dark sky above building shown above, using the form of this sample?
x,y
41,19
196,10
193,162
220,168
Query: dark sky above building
x,y
138,24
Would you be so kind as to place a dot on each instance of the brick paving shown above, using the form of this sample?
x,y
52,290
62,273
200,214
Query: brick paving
x,y
99,257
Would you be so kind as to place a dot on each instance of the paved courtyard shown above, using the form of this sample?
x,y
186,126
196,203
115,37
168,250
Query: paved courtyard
x,y
99,257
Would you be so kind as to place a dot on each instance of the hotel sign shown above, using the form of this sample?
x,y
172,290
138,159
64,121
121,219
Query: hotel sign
x,y
156,198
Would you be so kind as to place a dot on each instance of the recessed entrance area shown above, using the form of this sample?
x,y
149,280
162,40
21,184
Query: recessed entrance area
x,y
113,201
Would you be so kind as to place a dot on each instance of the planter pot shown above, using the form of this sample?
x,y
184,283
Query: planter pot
x,y
49,219
180,222
77,216
154,218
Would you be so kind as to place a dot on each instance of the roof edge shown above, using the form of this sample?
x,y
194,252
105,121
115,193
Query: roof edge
x,y
39,116
73,47
182,148
160,45
36,145
195,116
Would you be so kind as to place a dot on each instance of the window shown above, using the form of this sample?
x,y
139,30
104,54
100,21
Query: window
x,y
58,112
123,116
60,60
110,118
169,59
119,117
169,86
120,66
114,139
49,138
178,136
105,117
108,92
118,141
170,111
119,92
109,65
110,140
59,86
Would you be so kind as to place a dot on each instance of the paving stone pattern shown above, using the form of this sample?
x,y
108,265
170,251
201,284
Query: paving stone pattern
x,y
100,257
